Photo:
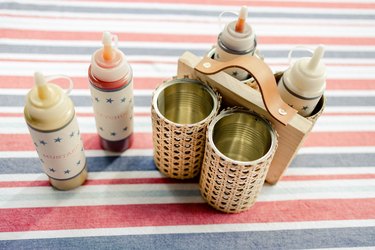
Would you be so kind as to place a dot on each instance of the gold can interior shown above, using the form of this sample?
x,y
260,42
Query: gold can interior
x,y
185,102
242,136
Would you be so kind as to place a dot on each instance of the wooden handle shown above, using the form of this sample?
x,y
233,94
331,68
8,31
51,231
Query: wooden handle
x,y
264,77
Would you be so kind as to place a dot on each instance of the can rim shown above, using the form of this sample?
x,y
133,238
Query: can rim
x,y
228,112
169,83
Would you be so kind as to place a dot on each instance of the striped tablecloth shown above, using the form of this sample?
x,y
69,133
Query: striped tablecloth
x,y
325,200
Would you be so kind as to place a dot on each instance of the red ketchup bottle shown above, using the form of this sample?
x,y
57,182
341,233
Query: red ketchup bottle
x,y
111,86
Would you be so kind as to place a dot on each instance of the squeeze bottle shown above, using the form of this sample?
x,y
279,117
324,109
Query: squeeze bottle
x,y
236,39
304,82
50,116
111,86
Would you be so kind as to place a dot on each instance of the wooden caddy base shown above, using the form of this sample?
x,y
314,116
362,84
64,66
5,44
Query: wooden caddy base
x,y
235,93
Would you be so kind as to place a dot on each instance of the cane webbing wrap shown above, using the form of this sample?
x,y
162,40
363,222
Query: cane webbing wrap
x,y
179,148
228,185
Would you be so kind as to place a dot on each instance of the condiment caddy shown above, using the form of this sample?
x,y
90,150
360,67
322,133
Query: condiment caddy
x,y
253,139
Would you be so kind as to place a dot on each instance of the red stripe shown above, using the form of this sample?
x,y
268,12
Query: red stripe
x,y
96,36
350,84
22,142
254,3
163,180
115,216
348,113
14,142
327,177
169,19
340,139
26,82
151,61
130,61
316,40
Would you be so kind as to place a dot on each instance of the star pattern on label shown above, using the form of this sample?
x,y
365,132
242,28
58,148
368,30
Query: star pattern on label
x,y
110,100
235,73
96,99
61,153
113,133
125,129
305,107
123,99
58,139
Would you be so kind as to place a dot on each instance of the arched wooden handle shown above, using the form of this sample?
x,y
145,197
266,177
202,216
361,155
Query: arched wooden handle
x,y
262,74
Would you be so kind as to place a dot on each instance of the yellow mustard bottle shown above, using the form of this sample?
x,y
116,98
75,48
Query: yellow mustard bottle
x,y
50,116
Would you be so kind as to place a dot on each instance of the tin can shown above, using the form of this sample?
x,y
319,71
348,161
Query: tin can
x,y
240,146
181,110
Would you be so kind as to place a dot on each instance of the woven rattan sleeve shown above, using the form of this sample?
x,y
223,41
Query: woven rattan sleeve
x,y
178,149
230,187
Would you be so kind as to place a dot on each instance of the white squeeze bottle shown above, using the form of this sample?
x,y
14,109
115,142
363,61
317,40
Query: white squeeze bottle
x,y
304,82
236,39
51,119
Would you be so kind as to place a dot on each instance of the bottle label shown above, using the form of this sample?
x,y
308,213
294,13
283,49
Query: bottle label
x,y
223,56
305,106
60,151
113,112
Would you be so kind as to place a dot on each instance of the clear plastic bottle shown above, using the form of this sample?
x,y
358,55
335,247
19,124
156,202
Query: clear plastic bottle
x,y
111,86
304,82
50,116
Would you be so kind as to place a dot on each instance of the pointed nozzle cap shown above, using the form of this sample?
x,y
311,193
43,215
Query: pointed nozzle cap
x,y
107,46
240,25
307,76
107,38
41,84
243,13
315,59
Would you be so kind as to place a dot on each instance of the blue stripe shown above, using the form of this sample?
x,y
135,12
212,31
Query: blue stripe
x,y
195,12
145,101
146,163
94,164
123,194
283,239
77,50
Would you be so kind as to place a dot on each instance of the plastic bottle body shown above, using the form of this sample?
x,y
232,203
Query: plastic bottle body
x,y
58,142
304,82
113,109
299,100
